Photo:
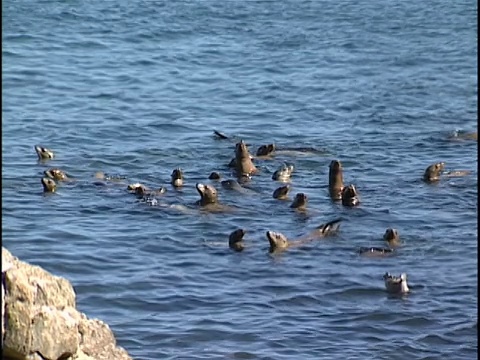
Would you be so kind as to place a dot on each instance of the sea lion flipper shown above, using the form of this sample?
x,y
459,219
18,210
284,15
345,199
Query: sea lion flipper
x,y
329,227
220,135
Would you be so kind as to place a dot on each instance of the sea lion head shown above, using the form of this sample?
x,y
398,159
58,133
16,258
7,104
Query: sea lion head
x,y
214,176
43,153
335,179
350,196
235,240
432,173
55,174
277,241
396,284
141,190
300,201
177,177
208,194
49,185
281,193
283,173
265,150
391,236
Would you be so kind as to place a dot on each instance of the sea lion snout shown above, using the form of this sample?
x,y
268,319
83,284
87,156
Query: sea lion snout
x,y
433,172
55,174
266,150
350,196
277,240
391,236
281,192
300,201
235,240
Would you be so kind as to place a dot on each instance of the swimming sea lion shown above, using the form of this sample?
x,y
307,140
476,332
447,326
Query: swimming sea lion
x,y
177,178
392,237
375,251
48,185
214,176
43,153
281,193
234,185
56,174
350,196
235,240
283,173
433,172
396,284
243,160
208,194
463,135
143,191
266,150
335,180
279,242
300,202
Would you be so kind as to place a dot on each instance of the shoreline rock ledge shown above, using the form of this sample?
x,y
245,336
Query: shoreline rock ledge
x,y
40,320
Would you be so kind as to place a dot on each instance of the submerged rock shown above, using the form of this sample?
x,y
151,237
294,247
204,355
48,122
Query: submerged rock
x,y
40,320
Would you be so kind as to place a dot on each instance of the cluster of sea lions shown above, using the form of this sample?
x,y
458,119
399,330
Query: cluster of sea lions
x,y
244,168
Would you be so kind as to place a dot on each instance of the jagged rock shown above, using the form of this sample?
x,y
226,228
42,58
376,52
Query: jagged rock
x,y
40,321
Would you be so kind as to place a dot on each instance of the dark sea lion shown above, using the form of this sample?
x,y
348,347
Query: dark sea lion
x,y
335,180
300,202
243,160
279,241
396,284
48,185
56,174
208,194
283,173
177,178
350,196
433,172
43,153
281,193
375,251
214,176
392,237
235,240
266,150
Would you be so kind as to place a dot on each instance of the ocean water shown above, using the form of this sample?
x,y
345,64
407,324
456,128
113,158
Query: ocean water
x,y
136,88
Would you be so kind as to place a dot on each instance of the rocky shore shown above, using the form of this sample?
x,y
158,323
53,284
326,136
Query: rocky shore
x,y
40,319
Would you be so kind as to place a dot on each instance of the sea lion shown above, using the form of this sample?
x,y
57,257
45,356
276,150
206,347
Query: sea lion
x,y
335,180
396,284
144,192
235,240
56,174
234,185
208,194
392,237
177,178
463,135
48,185
350,196
283,173
281,193
433,172
279,241
266,150
243,160
43,153
300,202
214,176
375,251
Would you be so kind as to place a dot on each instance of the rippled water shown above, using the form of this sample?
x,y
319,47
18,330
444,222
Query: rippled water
x,y
136,87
